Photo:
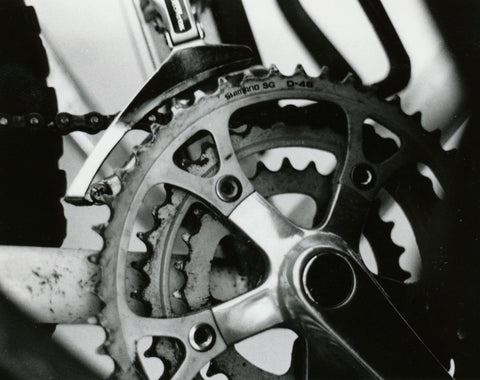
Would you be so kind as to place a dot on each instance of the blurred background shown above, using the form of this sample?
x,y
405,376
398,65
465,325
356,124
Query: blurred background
x,y
102,52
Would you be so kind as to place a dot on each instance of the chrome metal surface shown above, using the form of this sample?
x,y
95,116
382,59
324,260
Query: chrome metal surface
x,y
328,279
178,20
278,297
78,191
182,70
202,337
56,285
245,266
340,333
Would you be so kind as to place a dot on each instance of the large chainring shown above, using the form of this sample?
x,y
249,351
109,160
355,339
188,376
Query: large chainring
x,y
233,125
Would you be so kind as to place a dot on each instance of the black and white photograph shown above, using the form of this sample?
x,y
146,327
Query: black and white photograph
x,y
239,189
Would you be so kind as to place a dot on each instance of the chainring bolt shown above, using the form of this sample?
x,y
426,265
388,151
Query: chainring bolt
x,y
202,337
229,188
363,176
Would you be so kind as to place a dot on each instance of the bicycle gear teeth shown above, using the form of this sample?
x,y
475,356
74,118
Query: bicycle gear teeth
x,y
114,344
413,191
387,253
160,214
196,290
197,267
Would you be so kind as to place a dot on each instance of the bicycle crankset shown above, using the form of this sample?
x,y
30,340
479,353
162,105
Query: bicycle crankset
x,y
224,264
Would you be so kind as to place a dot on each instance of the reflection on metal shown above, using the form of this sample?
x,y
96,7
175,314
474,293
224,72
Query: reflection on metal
x,y
350,334
182,70
280,296
178,21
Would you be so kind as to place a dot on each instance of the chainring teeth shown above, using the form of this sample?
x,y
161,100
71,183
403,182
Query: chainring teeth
x,y
179,106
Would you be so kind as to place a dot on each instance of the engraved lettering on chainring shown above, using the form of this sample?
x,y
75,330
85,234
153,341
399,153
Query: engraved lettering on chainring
x,y
311,279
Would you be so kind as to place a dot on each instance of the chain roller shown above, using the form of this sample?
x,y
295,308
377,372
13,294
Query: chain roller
x,y
63,124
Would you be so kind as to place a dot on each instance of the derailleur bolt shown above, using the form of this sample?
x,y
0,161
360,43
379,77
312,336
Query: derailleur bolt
x,y
363,176
229,188
202,337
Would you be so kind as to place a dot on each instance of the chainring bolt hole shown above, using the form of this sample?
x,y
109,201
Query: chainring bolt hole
x,y
202,337
363,176
229,188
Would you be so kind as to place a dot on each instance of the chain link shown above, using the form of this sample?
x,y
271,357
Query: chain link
x,y
63,124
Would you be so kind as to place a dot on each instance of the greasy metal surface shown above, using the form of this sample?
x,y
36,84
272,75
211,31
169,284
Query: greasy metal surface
x,y
55,285
204,282
259,309
182,70
346,216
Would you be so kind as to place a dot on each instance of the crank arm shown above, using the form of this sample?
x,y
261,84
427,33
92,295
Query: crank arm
x,y
55,285
59,285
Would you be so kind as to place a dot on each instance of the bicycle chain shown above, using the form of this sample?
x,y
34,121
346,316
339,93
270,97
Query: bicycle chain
x,y
63,124
91,123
